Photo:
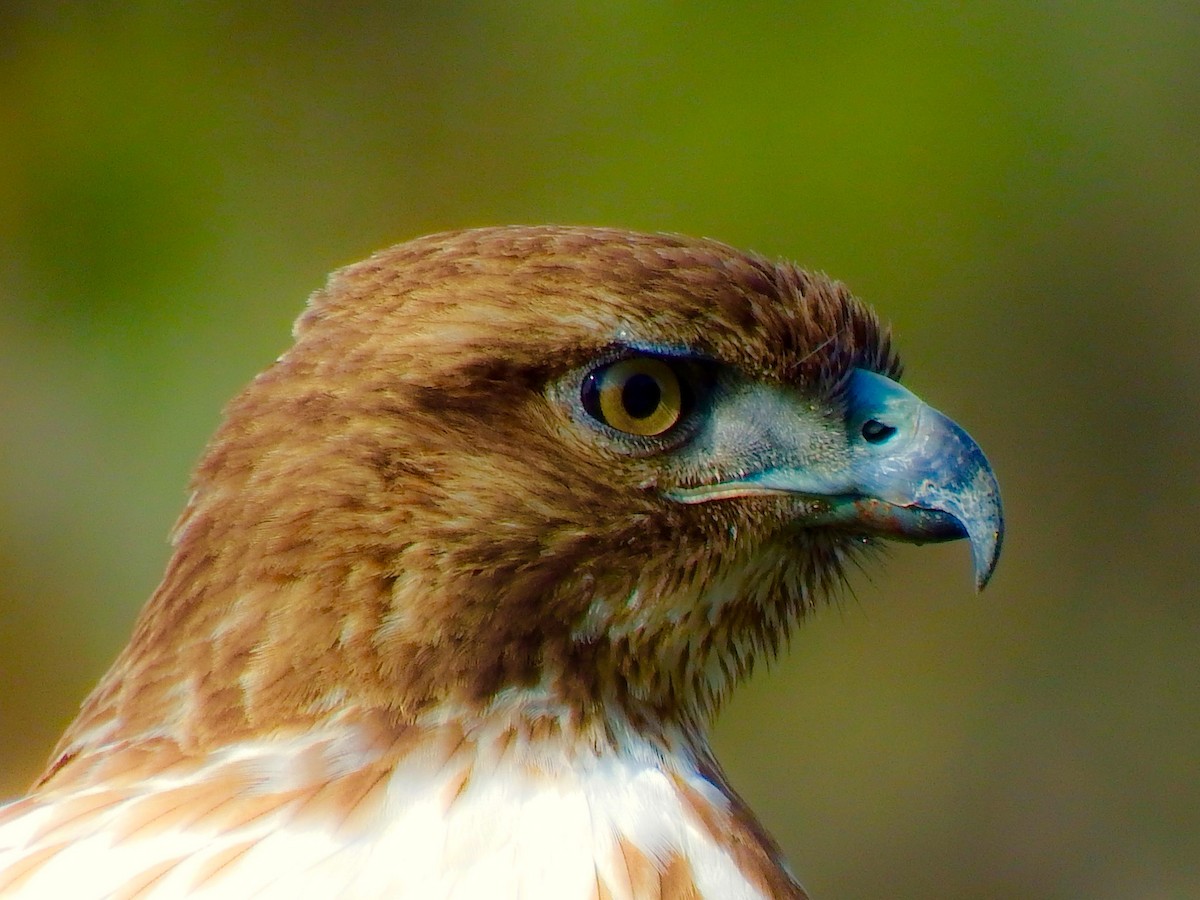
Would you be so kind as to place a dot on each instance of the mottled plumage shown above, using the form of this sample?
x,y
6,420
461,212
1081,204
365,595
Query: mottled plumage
x,y
449,613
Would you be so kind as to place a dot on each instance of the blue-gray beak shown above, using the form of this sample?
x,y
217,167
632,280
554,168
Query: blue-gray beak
x,y
893,466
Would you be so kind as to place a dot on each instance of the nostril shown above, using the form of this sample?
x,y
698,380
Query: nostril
x,y
875,432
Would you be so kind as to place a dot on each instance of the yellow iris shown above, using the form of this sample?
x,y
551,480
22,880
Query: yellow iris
x,y
640,396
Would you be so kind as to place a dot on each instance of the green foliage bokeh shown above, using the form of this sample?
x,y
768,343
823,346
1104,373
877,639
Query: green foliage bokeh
x,y
1015,186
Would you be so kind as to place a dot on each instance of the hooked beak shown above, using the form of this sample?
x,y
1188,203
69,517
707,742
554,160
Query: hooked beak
x,y
897,468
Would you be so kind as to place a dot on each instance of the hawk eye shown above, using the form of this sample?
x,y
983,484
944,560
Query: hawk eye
x,y
639,395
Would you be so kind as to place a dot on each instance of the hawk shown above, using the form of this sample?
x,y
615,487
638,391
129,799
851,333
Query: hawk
x,y
466,574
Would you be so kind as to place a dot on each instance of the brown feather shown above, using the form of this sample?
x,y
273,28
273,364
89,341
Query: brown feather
x,y
397,517
392,516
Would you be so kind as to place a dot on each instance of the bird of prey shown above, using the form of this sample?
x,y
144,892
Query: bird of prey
x,y
466,573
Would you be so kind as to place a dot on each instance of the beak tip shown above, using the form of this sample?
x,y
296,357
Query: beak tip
x,y
985,552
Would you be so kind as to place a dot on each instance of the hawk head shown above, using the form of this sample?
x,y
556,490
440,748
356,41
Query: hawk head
x,y
597,471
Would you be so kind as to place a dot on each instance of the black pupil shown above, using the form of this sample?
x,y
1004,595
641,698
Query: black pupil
x,y
641,395
876,432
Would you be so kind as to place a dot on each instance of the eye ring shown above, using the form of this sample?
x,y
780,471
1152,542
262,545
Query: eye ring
x,y
638,395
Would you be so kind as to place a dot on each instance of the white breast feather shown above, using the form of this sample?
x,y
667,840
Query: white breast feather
x,y
527,823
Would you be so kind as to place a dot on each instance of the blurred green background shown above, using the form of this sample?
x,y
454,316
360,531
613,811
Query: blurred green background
x,y
1015,186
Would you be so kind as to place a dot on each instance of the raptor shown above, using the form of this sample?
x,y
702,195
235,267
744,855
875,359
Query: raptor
x,y
465,575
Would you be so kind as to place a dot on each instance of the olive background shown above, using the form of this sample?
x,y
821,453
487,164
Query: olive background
x,y
1014,186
